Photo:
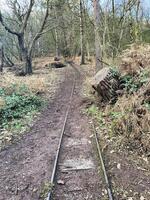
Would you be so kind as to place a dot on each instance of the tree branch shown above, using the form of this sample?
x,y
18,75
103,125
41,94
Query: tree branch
x,y
27,16
6,27
40,32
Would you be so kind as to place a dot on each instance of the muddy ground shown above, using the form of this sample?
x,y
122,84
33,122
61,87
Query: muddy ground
x,y
78,175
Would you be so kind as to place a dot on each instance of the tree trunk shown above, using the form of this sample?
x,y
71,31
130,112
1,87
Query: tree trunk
x,y
1,59
113,28
88,51
56,43
98,53
57,53
138,36
28,65
82,35
27,58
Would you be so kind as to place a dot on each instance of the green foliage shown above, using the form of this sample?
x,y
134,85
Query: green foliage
x,y
96,114
115,115
115,72
133,83
147,105
17,105
92,110
146,35
2,91
144,76
130,84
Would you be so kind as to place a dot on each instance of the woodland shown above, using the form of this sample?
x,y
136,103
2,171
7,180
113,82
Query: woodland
x,y
107,42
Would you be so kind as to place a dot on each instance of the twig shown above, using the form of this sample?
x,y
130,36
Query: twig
x,y
104,62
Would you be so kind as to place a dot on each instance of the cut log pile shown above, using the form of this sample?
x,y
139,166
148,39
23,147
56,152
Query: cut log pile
x,y
57,64
106,83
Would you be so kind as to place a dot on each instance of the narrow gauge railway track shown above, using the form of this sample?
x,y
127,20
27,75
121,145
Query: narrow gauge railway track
x,y
56,162
60,141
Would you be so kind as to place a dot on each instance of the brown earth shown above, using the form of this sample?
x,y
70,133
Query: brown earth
x,y
78,182
130,174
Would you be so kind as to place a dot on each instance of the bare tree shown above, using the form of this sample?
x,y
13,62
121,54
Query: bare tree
x,y
22,20
97,20
82,34
57,51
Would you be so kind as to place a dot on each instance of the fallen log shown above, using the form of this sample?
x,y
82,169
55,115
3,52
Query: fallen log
x,y
106,83
57,64
56,58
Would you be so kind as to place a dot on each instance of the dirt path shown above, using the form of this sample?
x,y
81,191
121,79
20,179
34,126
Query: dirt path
x,y
25,167
77,177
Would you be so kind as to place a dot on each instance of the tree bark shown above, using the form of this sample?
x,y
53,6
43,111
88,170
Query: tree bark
x,y
27,58
1,59
82,61
56,43
113,28
88,51
98,52
26,52
28,65
57,53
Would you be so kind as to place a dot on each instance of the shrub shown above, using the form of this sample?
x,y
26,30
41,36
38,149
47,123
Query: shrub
x,y
134,83
18,104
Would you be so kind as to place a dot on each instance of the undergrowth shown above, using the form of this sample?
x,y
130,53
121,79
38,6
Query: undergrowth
x,y
18,105
129,117
134,83
46,188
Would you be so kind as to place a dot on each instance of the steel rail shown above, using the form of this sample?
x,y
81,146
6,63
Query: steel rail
x,y
109,190
49,197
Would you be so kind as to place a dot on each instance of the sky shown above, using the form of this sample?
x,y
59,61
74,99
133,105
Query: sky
x,y
145,3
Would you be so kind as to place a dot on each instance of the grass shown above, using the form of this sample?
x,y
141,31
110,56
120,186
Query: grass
x,y
46,188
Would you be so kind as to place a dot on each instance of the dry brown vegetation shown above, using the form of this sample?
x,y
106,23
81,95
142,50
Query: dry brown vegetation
x,y
41,85
35,83
124,127
134,108
134,59
128,120
131,119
